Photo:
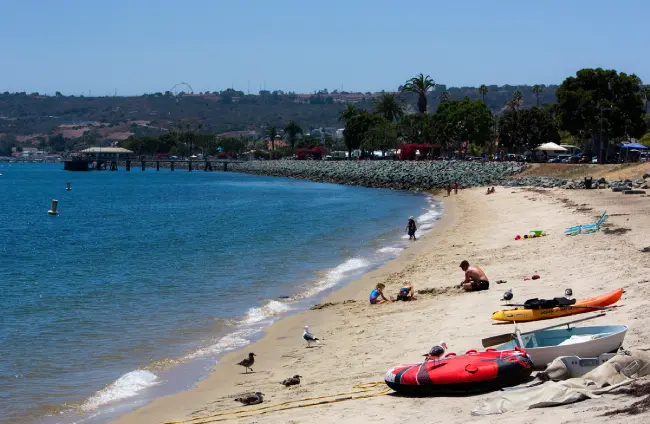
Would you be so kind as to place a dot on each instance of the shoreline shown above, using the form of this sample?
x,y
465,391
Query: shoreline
x,y
360,342
190,369
354,290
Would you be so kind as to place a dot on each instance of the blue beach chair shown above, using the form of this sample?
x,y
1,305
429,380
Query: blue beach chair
x,y
587,228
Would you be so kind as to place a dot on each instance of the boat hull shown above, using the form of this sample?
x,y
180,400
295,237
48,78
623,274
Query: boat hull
x,y
474,372
543,347
524,315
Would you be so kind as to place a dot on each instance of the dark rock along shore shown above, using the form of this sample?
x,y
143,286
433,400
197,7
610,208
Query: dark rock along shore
x,y
401,175
410,175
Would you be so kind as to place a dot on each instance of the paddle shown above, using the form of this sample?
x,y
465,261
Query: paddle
x,y
504,338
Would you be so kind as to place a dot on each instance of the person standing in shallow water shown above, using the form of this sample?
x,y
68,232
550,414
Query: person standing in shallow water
x,y
411,228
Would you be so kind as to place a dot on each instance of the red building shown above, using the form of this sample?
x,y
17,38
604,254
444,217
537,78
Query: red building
x,y
426,151
311,153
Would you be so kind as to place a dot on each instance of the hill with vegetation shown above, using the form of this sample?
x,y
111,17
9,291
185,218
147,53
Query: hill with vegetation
x,y
590,109
23,114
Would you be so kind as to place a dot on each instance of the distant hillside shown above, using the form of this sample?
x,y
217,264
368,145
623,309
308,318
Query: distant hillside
x,y
33,115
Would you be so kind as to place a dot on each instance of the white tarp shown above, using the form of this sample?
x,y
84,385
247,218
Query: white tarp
x,y
621,370
551,147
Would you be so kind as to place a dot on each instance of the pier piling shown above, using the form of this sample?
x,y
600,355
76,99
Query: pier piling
x,y
157,165
144,164
171,166
128,165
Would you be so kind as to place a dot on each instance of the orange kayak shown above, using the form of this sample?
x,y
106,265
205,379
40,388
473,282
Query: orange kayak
x,y
522,314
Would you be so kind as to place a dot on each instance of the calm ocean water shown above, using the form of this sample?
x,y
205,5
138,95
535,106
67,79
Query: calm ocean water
x,y
145,278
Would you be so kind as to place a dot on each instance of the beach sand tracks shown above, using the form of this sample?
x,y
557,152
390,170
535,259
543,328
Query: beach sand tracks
x,y
616,231
326,305
438,291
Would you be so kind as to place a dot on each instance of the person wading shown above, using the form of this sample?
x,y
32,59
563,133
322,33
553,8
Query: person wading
x,y
411,228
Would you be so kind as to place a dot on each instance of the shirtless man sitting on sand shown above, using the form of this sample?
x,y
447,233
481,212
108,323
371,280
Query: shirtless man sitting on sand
x,y
475,278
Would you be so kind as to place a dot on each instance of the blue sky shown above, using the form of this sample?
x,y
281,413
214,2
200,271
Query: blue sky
x,y
137,46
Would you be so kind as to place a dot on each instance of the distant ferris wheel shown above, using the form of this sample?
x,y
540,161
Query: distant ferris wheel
x,y
181,87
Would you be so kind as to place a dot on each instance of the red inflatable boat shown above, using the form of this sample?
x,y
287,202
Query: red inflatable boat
x,y
473,372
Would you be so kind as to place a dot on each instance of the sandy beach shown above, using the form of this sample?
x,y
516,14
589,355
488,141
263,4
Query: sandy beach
x,y
360,342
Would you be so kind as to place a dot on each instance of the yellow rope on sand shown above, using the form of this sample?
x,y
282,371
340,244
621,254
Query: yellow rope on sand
x,y
363,388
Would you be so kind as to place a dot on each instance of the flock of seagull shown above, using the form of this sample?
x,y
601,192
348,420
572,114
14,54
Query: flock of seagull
x,y
435,353
258,397
255,398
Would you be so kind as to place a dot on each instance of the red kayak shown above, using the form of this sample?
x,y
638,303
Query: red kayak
x,y
473,372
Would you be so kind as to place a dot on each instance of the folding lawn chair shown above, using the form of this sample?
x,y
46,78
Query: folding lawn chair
x,y
586,228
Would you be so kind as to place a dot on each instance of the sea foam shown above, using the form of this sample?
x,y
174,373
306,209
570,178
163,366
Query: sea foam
x,y
390,250
335,275
234,340
128,385
269,310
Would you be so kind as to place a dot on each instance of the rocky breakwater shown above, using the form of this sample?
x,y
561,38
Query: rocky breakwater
x,y
402,175
602,183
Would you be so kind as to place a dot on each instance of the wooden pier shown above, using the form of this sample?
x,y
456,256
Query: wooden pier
x,y
89,164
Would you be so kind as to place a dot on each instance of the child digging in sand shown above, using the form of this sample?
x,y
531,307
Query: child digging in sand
x,y
406,293
378,293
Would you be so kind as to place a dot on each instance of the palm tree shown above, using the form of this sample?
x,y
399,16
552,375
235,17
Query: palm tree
x,y
347,113
272,133
515,100
389,106
537,89
292,129
420,85
346,116
483,90
445,96
186,133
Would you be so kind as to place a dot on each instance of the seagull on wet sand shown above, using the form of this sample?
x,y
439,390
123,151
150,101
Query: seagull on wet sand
x,y
248,362
436,352
309,338
251,398
291,381
507,295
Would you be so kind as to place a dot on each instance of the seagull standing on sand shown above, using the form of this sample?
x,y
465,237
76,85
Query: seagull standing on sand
x,y
568,293
436,352
309,338
248,362
251,398
507,295
291,381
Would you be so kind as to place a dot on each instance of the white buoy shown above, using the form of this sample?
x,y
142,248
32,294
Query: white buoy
x,y
67,186
55,204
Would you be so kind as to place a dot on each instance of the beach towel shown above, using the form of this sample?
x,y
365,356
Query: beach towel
x,y
621,370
